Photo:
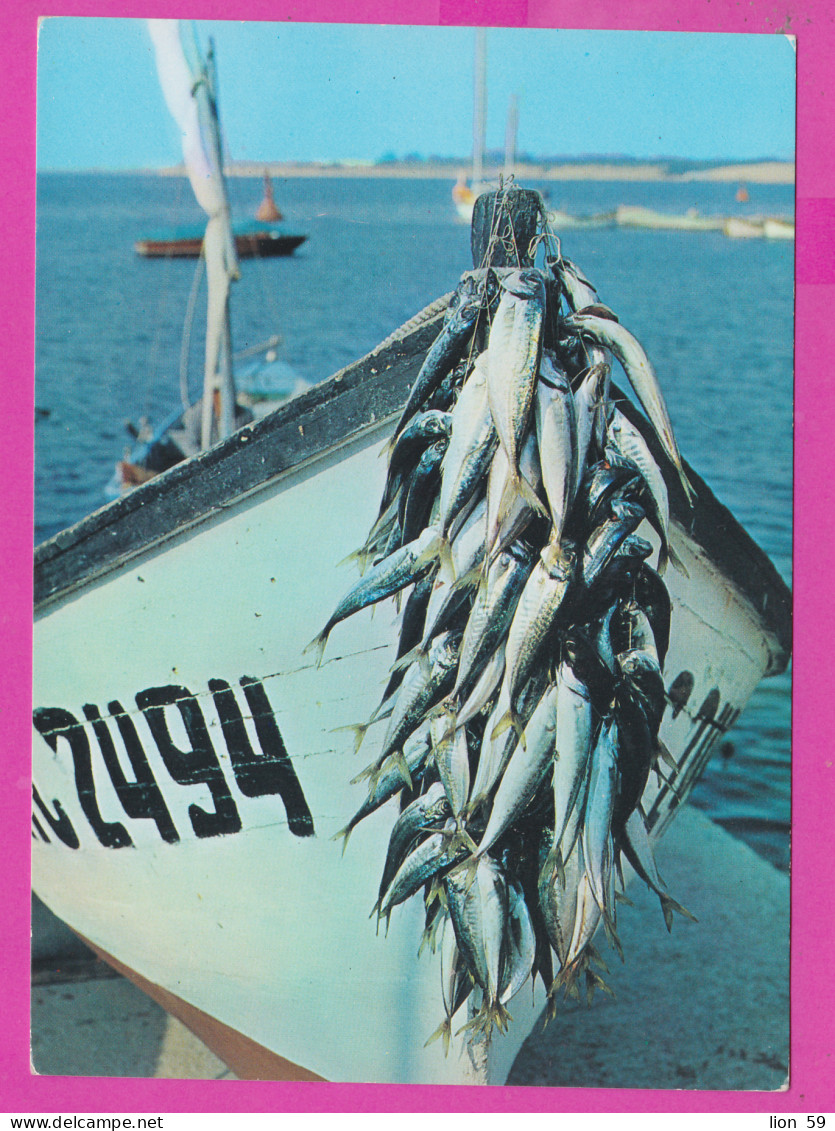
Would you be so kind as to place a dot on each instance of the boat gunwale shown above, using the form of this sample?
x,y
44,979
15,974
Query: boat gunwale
x,y
329,415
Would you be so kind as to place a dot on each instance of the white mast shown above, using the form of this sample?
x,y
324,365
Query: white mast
x,y
510,136
479,107
190,88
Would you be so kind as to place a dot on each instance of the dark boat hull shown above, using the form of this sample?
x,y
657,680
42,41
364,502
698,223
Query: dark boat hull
x,y
247,245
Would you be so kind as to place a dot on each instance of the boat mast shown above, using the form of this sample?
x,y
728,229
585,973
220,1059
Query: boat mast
x,y
221,267
510,136
189,84
479,107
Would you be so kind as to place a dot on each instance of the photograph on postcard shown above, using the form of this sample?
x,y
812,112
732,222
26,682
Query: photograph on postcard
x,y
413,514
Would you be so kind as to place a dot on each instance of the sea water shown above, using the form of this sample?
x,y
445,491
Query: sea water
x,y
714,314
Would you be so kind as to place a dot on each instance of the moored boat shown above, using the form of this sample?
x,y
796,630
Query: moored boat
x,y
188,787
232,395
253,238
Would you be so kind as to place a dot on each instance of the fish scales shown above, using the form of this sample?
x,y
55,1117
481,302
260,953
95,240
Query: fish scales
x,y
491,613
526,768
536,612
600,805
642,377
478,909
472,440
520,944
555,418
445,351
515,345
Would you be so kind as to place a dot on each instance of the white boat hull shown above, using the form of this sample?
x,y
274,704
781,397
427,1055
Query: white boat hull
x,y
263,929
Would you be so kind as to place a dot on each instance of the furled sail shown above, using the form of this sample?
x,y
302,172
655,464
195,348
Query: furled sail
x,y
189,87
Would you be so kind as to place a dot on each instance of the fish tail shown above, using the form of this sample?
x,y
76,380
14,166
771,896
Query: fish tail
x,y
318,643
370,773
345,834
444,1031
357,729
354,556
669,905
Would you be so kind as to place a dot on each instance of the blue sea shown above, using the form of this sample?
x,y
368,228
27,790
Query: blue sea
x,y
714,314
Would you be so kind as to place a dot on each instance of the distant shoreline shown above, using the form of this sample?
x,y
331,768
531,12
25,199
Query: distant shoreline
x,y
762,172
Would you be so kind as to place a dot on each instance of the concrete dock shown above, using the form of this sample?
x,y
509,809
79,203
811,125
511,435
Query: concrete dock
x,y
706,1007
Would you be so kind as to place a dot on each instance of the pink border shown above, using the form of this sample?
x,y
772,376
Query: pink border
x,y
813,1002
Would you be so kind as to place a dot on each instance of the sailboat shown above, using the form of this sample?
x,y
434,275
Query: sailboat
x,y
190,760
229,400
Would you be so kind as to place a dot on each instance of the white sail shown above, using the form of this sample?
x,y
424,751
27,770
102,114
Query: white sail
x,y
188,87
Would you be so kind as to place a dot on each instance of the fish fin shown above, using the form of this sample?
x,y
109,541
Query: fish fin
x,y
436,549
509,719
472,577
402,765
408,658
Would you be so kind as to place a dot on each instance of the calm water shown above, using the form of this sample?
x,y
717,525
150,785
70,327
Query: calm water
x,y
715,315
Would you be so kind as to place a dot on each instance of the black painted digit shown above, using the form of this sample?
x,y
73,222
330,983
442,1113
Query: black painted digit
x,y
58,821
274,768
198,765
140,798
55,723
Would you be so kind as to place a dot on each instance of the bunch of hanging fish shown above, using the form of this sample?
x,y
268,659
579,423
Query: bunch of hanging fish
x,y
524,706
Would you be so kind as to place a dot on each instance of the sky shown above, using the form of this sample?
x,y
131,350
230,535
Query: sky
x,y
342,92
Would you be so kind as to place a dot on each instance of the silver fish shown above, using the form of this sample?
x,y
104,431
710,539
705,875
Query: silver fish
x,y
424,813
391,779
589,403
472,440
484,688
528,765
459,324
629,443
433,855
574,737
491,613
508,512
421,689
383,580
598,851
449,750
536,612
557,894
478,909
514,349
520,944
497,745
638,368
556,434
